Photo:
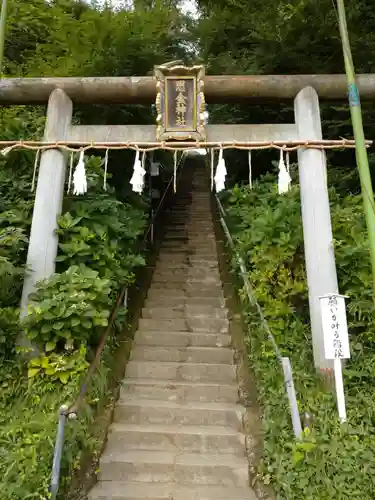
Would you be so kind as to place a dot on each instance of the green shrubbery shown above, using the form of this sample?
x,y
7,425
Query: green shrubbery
x,y
333,461
99,235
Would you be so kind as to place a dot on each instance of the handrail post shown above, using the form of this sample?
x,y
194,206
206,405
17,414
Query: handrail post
x,y
59,444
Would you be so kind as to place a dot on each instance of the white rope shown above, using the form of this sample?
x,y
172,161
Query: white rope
x,y
70,172
212,168
105,170
174,171
250,172
36,163
287,162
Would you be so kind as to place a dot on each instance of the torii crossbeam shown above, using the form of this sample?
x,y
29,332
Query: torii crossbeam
x,y
218,89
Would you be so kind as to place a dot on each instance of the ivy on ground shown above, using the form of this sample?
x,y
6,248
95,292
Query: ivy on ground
x,y
333,460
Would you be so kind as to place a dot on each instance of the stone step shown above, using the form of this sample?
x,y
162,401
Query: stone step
x,y
176,236
203,255
187,290
214,355
201,235
187,246
207,439
203,261
200,309
197,324
179,391
182,339
169,258
184,311
182,468
194,372
157,300
210,265
105,490
170,280
174,249
176,228
193,274
207,324
174,324
158,412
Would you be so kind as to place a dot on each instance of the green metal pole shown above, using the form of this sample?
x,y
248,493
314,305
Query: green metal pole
x,y
359,136
3,22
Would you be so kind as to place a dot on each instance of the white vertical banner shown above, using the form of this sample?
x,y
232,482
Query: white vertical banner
x,y
336,341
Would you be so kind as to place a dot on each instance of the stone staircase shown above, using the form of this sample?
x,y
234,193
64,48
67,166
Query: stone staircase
x,y
177,431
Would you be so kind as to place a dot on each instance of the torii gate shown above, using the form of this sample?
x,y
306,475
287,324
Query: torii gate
x,y
304,89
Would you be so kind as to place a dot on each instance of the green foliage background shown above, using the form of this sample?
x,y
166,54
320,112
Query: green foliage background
x,y
333,461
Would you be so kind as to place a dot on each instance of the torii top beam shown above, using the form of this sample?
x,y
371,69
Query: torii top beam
x,y
218,89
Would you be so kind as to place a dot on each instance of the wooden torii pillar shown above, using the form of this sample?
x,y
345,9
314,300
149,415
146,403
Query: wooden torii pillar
x,y
316,217
319,253
43,242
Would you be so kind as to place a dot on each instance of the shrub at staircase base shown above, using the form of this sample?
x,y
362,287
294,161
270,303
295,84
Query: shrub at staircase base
x,y
98,254
69,310
333,460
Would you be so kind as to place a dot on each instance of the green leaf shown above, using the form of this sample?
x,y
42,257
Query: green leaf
x,y
58,325
50,346
64,377
46,328
74,322
32,372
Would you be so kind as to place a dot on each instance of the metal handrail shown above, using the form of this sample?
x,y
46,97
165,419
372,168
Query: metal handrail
x,y
284,361
70,413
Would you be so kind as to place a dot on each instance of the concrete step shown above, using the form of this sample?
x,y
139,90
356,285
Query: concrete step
x,y
197,324
105,490
176,235
180,246
157,300
163,467
194,276
202,261
179,391
207,324
176,259
187,290
186,266
186,270
174,324
170,280
199,310
174,249
207,439
182,339
184,311
214,355
175,311
158,412
194,372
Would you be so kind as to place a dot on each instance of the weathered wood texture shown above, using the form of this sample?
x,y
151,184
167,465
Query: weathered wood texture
x,y
41,257
215,133
218,89
317,229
